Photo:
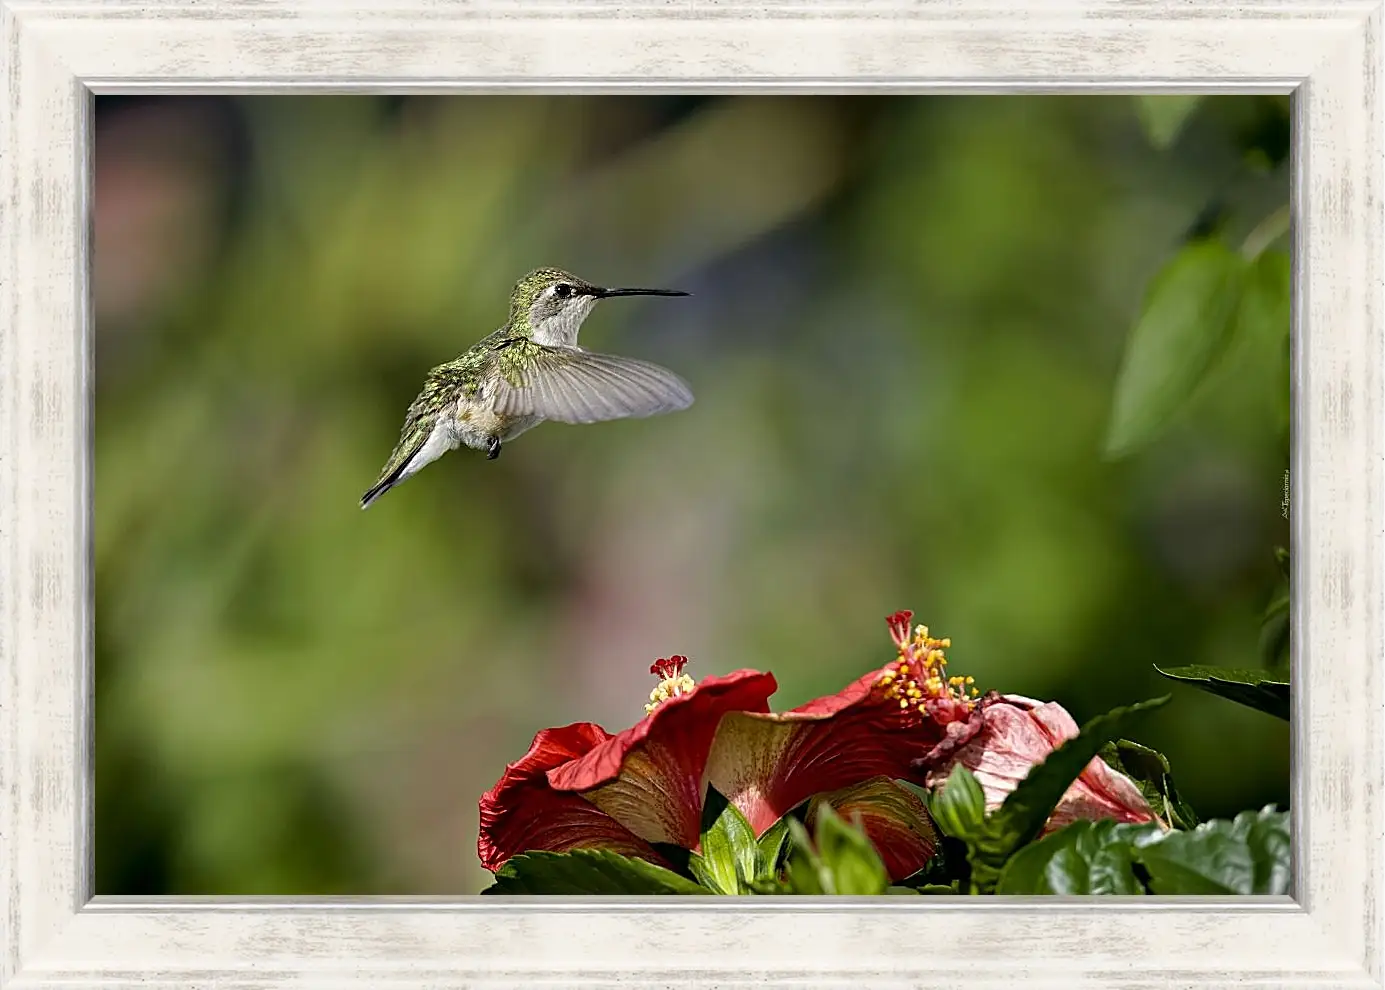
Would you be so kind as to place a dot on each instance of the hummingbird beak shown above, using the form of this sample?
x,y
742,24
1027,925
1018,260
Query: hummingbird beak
x,y
608,293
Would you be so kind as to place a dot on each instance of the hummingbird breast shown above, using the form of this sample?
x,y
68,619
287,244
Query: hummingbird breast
x,y
475,422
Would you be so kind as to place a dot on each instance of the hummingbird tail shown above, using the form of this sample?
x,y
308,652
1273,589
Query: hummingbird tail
x,y
382,486
375,493
407,458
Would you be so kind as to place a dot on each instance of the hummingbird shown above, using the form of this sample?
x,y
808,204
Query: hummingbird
x,y
529,370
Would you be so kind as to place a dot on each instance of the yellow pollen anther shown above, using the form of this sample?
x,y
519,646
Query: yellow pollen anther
x,y
918,679
670,687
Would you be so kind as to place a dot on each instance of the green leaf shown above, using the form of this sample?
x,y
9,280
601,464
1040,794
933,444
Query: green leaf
x,y
1267,304
805,873
959,806
839,860
893,816
1186,322
1262,327
1086,857
1249,855
587,871
772,885
1028,807
771,846
1149,769
1163,117
707,876
1253,688
1265,312
1281,557
848,856
730,858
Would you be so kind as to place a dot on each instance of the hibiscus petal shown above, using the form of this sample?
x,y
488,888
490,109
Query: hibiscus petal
x,y
1019,732
522,813
650,777
1006,749
1049,717
767,764
1100,791
893,818
830,704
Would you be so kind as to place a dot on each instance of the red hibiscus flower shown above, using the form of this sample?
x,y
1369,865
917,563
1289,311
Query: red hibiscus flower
x,y
582,786
1015,734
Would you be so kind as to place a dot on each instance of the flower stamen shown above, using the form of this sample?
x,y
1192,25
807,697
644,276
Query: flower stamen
x,y
899,626
918,679
673,682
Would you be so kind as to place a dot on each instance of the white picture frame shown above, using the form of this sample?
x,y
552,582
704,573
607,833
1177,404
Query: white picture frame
x,y
57,53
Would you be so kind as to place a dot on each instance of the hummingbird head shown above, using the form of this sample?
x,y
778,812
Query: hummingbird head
x,y
552,303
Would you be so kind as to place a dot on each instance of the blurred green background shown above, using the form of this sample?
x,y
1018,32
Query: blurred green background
x,y
907,318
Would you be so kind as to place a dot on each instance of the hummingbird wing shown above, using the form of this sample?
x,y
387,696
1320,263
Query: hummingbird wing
x,y
573,385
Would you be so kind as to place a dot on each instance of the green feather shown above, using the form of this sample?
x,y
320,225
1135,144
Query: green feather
x,y
440,389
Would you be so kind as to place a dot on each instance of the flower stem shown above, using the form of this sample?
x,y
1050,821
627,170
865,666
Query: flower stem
x,y
1266,232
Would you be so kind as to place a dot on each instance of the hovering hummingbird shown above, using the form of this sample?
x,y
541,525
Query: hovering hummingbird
x,y
529,370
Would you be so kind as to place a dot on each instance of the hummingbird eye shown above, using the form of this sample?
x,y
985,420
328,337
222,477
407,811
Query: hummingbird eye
x,y
562,290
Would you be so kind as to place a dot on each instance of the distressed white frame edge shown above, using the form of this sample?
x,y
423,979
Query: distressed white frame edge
x,y
56,52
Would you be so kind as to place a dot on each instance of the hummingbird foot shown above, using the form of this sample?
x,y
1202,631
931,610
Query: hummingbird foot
x,y
493,448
